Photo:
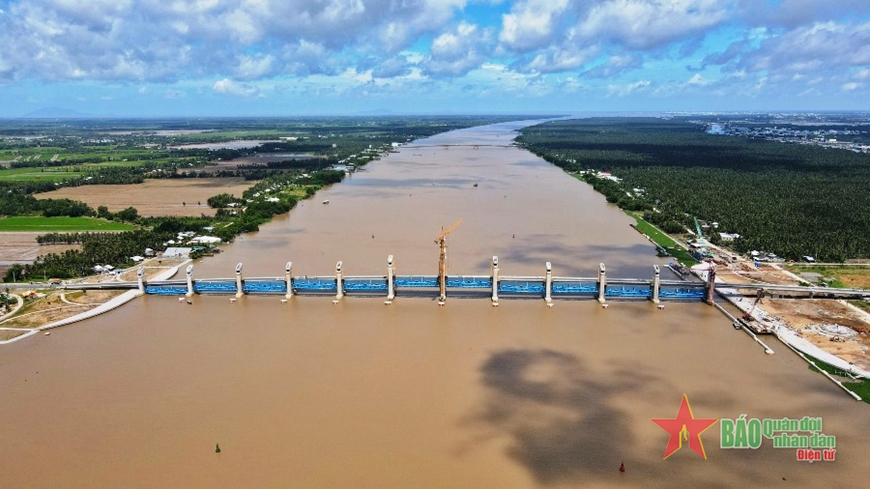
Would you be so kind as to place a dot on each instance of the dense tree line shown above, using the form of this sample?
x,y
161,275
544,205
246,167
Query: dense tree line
x,y
296,164
50,163
333,138
789,199
96,249
220,201
117,248
19,204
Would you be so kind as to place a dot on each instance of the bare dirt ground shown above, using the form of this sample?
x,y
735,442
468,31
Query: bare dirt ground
x,y
155,197
857,277
750,274
807,316
20,247
732,277
802,314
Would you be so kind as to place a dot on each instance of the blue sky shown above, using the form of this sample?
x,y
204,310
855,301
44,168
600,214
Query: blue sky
x,y
304,57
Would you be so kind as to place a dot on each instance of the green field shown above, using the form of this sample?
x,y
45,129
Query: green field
x,y
60,224
58,173
860,387
678,252
847,276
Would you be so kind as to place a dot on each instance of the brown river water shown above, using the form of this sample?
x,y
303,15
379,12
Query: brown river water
x,y
360,394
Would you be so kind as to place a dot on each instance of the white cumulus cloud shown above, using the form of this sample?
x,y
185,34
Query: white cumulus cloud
x,y
457,51
531,23
557,59
230,87
819,47
646,24
624,90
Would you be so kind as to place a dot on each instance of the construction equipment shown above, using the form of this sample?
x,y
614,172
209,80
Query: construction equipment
x,y
748,315
441,241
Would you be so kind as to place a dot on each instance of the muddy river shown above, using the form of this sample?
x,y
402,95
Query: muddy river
x,y
360,394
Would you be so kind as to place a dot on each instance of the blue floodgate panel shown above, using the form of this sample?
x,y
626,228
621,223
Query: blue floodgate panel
x,y
575,288
425,281
365,285
521,287
273,286
469,282
315,285
214,286
165,290
641,292
682,293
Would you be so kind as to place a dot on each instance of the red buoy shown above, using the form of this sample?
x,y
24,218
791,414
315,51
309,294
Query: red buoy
x,y
622,467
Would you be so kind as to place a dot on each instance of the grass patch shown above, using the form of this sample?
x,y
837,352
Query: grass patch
x,y
60,224
295,191
860,387
848,276
35,174
58,173
678,252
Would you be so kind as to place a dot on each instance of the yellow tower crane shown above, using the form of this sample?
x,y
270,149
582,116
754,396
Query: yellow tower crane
x,y
441,241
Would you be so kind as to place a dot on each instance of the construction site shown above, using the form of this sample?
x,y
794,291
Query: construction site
x,y
840,327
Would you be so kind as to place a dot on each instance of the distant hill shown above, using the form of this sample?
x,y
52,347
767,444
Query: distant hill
x,y
55,113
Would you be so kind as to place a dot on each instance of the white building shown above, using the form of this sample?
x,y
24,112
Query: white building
x,y
173,252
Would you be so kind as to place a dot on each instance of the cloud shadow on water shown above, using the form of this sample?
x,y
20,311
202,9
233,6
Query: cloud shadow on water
x,y
558,416
563,423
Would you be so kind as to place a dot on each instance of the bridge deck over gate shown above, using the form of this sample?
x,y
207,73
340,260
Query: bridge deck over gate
x,y
547,287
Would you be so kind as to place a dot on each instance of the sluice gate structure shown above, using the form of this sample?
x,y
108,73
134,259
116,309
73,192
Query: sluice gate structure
x,y
494,286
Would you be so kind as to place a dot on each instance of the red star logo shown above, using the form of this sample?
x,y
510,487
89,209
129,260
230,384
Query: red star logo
x,y
685,427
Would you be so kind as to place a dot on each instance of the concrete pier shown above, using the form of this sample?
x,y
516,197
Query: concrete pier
x,y
288,278
711,286
239,290
189,272
140,279
495,281
391,286
339,287
602,283
548,285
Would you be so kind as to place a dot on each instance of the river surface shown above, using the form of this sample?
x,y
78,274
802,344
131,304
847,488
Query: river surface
x,y
360,394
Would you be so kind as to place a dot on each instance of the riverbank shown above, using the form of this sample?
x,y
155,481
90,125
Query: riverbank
x,y
51,308
797,323
664,242
796,327
413,395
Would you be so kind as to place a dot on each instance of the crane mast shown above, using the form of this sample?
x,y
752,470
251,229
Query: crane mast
x,y
442,261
